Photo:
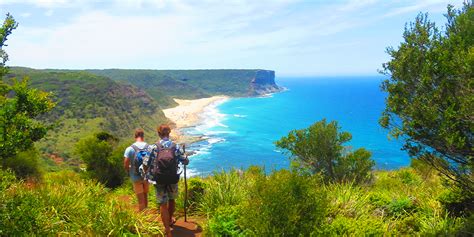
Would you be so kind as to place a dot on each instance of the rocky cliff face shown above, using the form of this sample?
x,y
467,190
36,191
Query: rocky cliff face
x,y
264,83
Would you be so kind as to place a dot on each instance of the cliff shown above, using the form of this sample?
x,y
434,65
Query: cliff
x,y
264,83
194,84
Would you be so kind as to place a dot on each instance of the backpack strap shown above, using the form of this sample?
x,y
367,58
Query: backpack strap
x,y
135,148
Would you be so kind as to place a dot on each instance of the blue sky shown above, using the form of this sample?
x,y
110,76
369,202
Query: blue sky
x,y
295,38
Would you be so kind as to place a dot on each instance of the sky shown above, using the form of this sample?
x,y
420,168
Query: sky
x,y
292,37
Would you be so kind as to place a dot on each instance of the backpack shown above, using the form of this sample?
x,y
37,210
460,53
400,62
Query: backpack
x,y
164,168
138,158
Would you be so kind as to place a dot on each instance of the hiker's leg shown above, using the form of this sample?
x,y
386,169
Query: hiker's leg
x,y
165,217
171,208
172,195
146,189
139,191
162,199
141,201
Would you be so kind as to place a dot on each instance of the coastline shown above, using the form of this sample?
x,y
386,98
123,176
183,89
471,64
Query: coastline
x,y
188,114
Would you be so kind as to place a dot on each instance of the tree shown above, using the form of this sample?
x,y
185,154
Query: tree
x,y
430,89
8,26
20,105
103,158
320,149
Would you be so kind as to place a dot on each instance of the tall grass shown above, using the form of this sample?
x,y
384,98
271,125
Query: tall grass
x,y
251,203
66,205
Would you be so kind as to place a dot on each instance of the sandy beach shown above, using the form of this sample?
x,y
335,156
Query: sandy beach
x,y
187,113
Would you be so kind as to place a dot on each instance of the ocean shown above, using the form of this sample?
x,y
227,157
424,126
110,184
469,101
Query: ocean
x,y
241,132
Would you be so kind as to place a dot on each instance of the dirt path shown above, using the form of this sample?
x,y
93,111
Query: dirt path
x,y
187,229
190,228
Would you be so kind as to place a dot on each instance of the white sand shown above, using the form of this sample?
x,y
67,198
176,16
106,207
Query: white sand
x,y
186,114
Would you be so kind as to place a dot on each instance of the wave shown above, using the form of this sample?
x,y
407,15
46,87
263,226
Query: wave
x,y
239,116
210,127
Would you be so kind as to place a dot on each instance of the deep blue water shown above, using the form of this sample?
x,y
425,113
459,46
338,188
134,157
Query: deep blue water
x,y
241,131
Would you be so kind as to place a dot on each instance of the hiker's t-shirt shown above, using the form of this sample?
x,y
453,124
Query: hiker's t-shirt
x,y
130,153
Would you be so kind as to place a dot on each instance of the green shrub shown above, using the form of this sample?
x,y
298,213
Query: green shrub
x,y
25,164
320,149
196,189
223,189
66,205
284,203
224,223
425,170
344,226
103,158
401,207
457,202
408,176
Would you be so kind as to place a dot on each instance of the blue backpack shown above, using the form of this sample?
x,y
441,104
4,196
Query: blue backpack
x,y
138,158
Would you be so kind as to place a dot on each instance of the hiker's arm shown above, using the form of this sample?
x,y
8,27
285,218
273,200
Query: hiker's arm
x,y
126,160
126,164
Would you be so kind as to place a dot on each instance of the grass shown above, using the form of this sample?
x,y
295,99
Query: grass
x,y
238,203
66,204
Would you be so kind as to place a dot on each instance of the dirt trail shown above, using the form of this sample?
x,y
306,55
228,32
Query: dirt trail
x,y
190,228
186,229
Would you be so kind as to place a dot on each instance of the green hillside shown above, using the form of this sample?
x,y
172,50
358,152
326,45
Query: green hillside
x,y
87,103
186,84
118,101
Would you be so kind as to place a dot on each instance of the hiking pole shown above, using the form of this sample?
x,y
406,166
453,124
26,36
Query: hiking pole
x,y
185,187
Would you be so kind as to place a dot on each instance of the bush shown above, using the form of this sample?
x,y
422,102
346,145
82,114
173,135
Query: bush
x,y
103,158
25,164
223,189
65,205
224,222
320,149
284,203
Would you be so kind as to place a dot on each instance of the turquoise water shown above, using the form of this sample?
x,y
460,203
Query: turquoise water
x,y
240,132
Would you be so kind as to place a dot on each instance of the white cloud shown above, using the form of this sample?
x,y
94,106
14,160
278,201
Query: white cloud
x,y
290,36
25,14
49,12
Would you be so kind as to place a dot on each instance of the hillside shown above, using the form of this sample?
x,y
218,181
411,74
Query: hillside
x,y
87,103
118,101
163,85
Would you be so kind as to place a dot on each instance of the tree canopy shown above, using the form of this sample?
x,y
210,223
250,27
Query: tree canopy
x,y
430,89
20,106
320,149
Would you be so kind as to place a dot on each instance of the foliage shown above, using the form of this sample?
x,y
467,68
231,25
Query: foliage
x,y
224,189
65,205
26,164
87,103
431,93
320,149
103,158
290,203
20,105
224,222
284,202
9,24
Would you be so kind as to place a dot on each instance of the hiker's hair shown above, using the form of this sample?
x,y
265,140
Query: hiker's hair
x,y
163,130
139,133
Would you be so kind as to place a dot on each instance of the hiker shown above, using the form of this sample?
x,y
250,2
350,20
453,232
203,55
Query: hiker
x,y
161,165
133,159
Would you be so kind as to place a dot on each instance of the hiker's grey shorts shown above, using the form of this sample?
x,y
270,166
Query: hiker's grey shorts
x,y
164,193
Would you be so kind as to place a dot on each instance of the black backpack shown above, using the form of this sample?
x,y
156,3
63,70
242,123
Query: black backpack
x,y
164,168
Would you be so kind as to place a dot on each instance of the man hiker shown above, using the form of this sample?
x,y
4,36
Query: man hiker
x,y
161,165
133,159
